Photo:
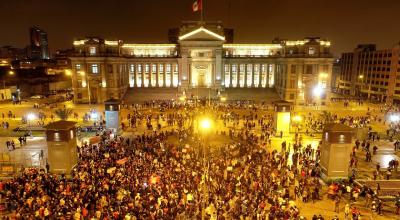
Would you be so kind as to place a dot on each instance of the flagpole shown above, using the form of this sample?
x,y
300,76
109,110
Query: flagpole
x,y
202,9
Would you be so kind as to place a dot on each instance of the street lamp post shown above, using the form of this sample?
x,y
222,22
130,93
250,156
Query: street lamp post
x,y
205,127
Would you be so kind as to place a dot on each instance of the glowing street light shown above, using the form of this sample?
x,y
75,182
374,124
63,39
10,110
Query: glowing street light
x,y
317,91
31,117
297,118
68,72
205,124
11,73
223,99
323,75
394,118
94,115
361,76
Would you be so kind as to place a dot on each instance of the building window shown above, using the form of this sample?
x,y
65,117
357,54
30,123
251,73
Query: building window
x,y
293,69
168,68
241,68
110,68
78,67
146,68
92,50
309,69
311,51
57,136
292,83
154,68
234,68
95,68
139,67
161,68
132,68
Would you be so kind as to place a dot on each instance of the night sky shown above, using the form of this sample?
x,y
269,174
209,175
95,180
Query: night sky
x,y
345,22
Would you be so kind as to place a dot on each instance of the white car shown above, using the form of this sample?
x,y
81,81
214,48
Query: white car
x,y
37,97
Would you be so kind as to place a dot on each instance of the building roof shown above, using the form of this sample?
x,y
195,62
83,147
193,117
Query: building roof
x,y
282,102
336,127
61,125
112,101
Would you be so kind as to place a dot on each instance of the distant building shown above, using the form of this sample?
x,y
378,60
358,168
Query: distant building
x,y
39,45
371,73
335,81
202,55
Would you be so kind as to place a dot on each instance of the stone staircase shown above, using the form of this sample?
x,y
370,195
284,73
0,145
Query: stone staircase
x,y
138,95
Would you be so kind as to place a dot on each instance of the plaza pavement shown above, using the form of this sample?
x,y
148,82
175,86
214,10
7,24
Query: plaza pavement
x,y
324,206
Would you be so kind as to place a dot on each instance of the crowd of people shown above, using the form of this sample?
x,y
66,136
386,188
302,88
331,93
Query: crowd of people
x,y
148,176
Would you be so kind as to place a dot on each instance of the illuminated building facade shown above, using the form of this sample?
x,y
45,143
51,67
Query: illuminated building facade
x,y
202,55
371,73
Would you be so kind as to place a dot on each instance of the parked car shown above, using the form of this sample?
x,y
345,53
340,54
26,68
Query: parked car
x,y
37,97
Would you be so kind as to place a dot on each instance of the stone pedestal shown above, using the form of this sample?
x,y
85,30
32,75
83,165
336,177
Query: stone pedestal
x,y
61,143
112,114
282,117
335,151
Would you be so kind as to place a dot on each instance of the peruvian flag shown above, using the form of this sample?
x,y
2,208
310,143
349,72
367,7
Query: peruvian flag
x,y
197,5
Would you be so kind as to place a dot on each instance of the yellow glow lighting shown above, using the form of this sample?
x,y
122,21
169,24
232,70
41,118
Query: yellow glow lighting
x,y
323,75
252,46
297,118
182,98
83,84
205,123
200,30
104,84
11,72
223,99
149,46
68,72
111,42
79,42
296,42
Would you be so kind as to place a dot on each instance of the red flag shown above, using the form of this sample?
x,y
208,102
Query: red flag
x,y
122,161
197,5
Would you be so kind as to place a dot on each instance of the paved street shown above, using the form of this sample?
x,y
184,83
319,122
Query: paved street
x,y
29,155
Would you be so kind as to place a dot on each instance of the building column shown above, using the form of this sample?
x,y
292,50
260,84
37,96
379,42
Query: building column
x,y
150,74
134,76
164,76
238,75
260,74
230,75
142,73
245,75
157,72
252,75
267,76
171,75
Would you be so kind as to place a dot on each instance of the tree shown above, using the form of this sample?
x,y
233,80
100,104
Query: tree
x,y
63,113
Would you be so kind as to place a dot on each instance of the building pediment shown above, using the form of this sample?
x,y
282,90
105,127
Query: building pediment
x,y
201,34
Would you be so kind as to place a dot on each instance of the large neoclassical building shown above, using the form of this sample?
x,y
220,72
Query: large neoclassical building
x,y
201,55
